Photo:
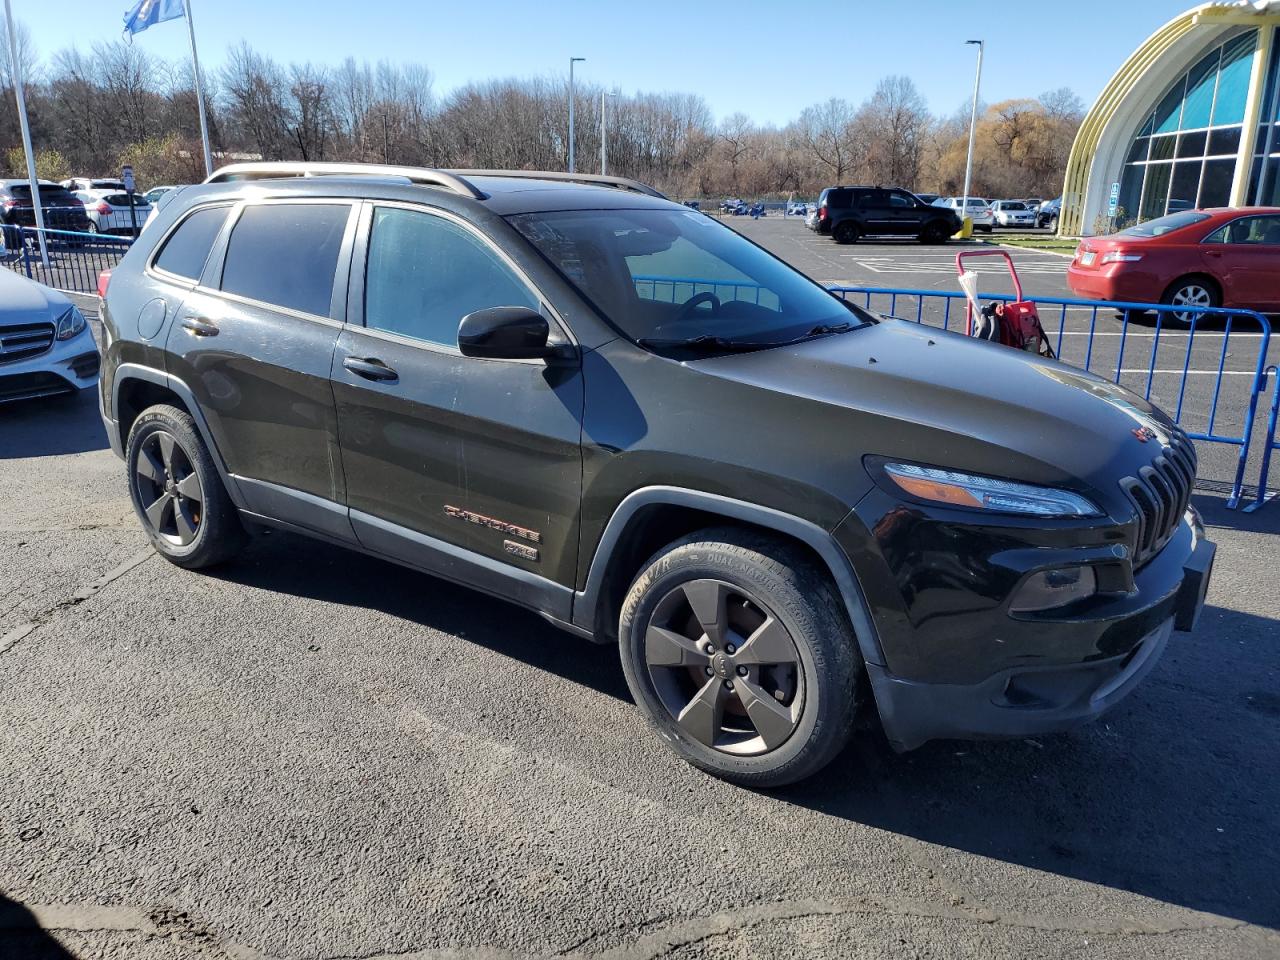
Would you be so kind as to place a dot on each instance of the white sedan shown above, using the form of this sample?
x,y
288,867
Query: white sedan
x,y
108,211
978,210
1013,213
45,346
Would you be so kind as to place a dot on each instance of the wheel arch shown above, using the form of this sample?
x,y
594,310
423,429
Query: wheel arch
x,y
136,387
651,517
1201,275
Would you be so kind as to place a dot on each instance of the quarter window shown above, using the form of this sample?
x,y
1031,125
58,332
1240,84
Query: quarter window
x,y
426,273
286,254
187,248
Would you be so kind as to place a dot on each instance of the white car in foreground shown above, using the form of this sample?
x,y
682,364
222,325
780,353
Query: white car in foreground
x,y
108,211
978,210
1013,213
46,348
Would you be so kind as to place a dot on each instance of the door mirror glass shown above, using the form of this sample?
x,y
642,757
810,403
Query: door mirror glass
x,y
504,333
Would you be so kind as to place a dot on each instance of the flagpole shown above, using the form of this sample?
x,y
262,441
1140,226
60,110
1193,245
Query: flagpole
x,y
195,67
16,69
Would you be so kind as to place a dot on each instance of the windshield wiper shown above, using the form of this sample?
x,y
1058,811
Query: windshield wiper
x,y
703,342
822,328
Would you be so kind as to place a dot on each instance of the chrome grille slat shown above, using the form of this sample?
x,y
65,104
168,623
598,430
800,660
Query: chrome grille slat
x,y
24,341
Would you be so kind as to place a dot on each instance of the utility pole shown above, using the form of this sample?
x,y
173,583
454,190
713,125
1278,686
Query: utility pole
x,y
604,136
973,128
15,67
571,62
386,143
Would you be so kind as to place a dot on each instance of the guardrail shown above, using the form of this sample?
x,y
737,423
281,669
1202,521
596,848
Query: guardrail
x,y
75,259
1206,427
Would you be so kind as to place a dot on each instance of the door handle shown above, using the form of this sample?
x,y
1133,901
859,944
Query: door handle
x,y
1213,253
371,368
198,327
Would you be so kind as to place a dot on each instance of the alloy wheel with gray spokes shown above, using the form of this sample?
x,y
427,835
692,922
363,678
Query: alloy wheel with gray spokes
x,y
168,488
737,647
725,668
1192,294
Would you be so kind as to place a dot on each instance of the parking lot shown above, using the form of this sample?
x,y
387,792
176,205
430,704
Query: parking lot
x,y
313,754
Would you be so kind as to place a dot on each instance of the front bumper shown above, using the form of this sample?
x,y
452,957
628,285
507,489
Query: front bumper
x,y
957,665
67,366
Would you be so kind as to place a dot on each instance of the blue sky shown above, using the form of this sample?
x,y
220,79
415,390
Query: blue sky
x,y
765,59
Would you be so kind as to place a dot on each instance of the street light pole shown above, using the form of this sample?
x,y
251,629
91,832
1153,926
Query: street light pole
x,y
604,148
572,61
973,128
15,68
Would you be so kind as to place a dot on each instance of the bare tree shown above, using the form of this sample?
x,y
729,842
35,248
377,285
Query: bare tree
x,y
825,130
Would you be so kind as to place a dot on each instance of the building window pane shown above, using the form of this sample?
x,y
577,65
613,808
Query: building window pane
x,y
1215,185
1225,142
1233,80
1270,195
1130,194
1155,194
1200,85
1138,152
1169,113
1192,144
1185,184
1162,148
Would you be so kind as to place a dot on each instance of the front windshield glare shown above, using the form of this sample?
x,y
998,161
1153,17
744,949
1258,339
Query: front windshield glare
x,y
676,275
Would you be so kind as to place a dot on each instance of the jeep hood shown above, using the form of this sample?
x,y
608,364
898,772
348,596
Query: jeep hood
x,y
918,393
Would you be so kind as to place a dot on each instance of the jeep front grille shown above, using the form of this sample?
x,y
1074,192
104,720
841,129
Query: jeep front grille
x,y
1161,493
24,340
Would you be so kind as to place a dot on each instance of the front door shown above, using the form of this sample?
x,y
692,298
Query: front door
x,y
255,341
448,456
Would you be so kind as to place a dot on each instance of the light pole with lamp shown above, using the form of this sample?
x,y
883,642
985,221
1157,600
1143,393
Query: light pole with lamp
x,y
572,61
973,129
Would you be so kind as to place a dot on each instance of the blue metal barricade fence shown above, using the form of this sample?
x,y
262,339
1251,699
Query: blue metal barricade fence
x,y
75,259
1200,339
1270,444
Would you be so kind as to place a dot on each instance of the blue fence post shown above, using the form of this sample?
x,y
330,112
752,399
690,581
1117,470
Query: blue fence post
x,y
26,253
1269,446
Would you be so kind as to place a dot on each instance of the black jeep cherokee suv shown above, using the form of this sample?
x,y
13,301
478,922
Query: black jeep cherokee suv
x,y
606,407
851,213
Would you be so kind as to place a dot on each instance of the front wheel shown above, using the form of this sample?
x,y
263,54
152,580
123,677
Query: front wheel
x,y
740,653
1195,293
177,493
934,233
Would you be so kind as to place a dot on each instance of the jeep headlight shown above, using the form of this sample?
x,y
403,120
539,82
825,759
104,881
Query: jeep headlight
x,y
976,492
70,323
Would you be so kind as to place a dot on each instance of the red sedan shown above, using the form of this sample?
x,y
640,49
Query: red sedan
x,y
1194,258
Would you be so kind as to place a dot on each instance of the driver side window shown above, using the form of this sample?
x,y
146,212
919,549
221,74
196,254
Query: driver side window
x,y
1248,230
425,273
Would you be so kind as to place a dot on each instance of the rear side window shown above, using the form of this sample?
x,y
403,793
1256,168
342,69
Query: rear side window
x,y
839,198
187,248
426,273
286,254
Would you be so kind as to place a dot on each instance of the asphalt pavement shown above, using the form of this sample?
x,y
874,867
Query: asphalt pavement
x,y
312,754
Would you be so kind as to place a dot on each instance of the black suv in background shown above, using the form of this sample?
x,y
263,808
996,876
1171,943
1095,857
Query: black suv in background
x,y
61,210
593,402
850,213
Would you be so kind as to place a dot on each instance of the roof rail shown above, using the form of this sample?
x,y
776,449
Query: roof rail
x,y
621,183
273,170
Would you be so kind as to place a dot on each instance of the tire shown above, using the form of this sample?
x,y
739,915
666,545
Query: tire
x,y
177,493
845,233
92,228
792,710
934,233
1191,290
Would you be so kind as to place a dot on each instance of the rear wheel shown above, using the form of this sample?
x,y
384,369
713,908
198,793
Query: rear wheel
x,y
1190,292
738,650
846,232
177,493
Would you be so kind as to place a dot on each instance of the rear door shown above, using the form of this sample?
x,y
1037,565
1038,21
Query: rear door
x,y
445,453
1245,255
255,341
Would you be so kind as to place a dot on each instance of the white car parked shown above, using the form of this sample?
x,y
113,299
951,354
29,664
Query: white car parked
x,y
45,346
978,210
1013,213
108,210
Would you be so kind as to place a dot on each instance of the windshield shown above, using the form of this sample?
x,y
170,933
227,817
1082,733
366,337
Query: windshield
x,y
1162,225
677,275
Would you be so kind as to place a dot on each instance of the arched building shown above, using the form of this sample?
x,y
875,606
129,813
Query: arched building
x,y
1192,119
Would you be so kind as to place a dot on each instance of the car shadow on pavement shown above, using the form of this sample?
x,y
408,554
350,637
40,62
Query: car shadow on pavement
x,y
1173,795
288,564
51,426
21,937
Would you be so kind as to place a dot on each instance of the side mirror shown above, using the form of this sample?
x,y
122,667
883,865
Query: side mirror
x,y
506,333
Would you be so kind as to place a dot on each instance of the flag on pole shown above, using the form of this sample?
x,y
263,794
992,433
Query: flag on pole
x,y
147,13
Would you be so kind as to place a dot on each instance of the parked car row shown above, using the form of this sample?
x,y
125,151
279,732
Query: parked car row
x,y
78,205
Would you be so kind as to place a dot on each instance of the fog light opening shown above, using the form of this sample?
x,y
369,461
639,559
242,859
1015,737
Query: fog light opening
x,y
1050,589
